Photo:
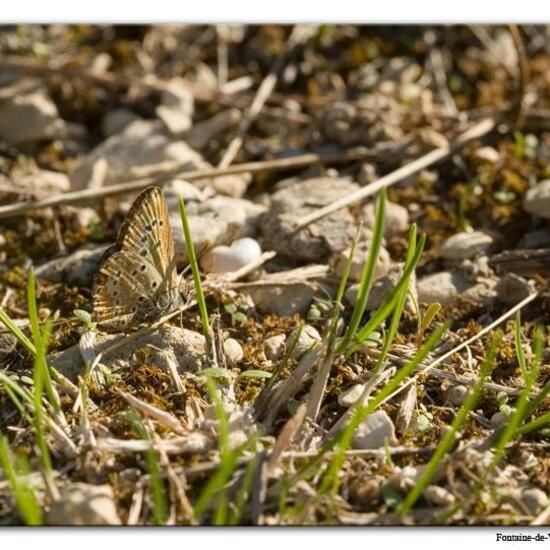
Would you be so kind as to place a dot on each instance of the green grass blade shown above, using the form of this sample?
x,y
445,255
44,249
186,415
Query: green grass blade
x,y
400,304
16,331
331,478
157,483
388,306
449,439
367,275
15,470
195,271
40,344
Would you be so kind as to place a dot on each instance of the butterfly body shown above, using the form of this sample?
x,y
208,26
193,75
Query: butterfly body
x,y
137,282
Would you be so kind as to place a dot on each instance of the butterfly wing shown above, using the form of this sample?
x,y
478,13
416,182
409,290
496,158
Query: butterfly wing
x,y
137,280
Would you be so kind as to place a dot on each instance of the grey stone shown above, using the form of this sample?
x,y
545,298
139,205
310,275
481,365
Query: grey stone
x,y
116,120
233,352
396,219
76,269
512,288
142,149
318,240
27,114
359,258
188,348
456,395
374,431
538,238
535,499
274,347
466,245
381,289
216,221
442,287
84,504
537,200
308,337
282,300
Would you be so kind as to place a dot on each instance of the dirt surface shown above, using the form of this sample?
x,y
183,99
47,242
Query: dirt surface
x,y
92,115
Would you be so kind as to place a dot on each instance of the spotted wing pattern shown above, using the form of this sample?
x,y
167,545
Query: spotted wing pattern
x,y
137,281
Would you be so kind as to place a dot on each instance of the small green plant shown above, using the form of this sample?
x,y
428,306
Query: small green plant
x,y
425,419
503,406
237,317
85,318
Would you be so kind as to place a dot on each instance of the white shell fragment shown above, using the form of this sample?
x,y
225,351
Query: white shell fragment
x,y
222,259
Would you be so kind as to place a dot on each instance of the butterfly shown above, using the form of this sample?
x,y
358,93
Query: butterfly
x,y
137,282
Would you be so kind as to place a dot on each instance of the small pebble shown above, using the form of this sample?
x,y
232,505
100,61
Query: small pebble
x,y
441,287
456,395
374,431
498,420
274,347
222,259
489,154
537,200
438,496
512,288
396,218
350,396
535,499
308,337
84,504
466,245
359,258
233,352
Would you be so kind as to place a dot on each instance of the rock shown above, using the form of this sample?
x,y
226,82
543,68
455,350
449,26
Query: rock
x,y
456,395
282,300
359,258
177,107
442,287
142,149
488,154
466,245
222,259
498,420
381,289
187,346
308,337
537,200
84,504
535,499
274,347
374,431
76,269
512,288
538,238
233,352
396,219
116,120
204,131
438,496
45,182
216,221
27,114
316,242
349,397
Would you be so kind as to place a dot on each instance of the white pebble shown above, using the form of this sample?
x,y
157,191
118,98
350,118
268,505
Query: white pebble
x,y
274,347
374,431
222,259
233,352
